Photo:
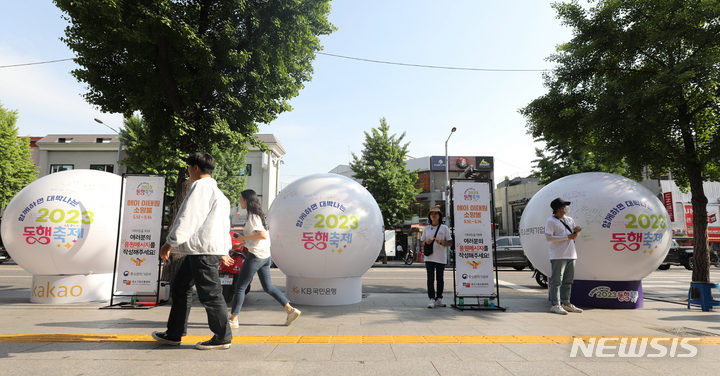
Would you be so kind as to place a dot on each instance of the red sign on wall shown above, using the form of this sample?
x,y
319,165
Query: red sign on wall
x,y
713,214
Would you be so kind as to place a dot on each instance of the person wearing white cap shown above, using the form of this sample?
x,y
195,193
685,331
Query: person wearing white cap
x,y
560,233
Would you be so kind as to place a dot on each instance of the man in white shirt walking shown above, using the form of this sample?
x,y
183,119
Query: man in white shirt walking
x,y
560,233
200,232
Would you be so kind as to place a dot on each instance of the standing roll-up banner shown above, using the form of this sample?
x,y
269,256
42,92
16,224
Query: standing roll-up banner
x,y
474,272
137,254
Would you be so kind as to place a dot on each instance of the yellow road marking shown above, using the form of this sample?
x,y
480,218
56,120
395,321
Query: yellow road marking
x,y
343,339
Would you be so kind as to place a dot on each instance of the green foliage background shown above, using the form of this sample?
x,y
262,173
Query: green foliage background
x,y
638,86
17,169
381,169
202,74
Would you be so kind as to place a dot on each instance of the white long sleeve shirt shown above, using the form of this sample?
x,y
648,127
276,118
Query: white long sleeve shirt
x,y
202,224
556,234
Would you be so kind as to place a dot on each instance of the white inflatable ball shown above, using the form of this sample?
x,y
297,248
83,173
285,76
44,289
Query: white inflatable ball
x,y
626,232
64,223
325,226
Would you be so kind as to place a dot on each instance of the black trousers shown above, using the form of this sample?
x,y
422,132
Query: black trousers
x,y
201,272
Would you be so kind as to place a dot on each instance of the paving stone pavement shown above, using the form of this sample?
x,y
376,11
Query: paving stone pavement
x,y
384,334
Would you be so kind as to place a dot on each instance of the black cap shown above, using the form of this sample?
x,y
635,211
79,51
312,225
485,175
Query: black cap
x,y
558,203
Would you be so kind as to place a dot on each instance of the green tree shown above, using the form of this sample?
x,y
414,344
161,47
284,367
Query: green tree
x,y
17,169
639,83
229,170
563,162
145,157
382,172
201,73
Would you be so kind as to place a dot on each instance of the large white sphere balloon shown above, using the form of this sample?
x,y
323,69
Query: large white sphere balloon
x,y
325,226
64,223
625,235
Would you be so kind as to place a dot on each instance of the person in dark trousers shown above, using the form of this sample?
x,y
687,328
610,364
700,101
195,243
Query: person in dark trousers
x,y
200,232
560,233
435,263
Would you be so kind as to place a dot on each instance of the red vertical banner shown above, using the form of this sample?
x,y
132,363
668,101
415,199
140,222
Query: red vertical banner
x,y
689,220
667,198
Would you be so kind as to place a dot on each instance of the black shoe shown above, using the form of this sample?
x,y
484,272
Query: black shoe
x,y
212,345
162,337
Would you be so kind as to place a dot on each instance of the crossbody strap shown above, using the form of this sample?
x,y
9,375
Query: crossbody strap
x,y
565,224
436,231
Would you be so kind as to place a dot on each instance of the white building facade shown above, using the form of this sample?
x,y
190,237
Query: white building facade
x,y
60,152
262,175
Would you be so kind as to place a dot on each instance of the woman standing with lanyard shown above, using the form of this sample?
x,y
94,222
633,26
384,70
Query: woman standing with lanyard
x,y
439,236
257,241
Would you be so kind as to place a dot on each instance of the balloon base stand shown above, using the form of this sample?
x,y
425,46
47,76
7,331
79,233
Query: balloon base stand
x,y
607,294
60,289
323,291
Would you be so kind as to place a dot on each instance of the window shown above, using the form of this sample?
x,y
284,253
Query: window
x,y
516,240
102,140
499,218
60,167
503,242
247,171
423,182
420,208
103,167
63,140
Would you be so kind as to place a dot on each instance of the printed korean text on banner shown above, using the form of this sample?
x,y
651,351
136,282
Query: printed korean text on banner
x,y
139,241
713,215
473,239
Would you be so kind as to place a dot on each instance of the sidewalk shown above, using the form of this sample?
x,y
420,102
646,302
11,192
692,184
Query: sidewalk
x,y
385,334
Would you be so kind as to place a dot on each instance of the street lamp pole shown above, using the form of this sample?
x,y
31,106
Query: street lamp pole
x,y
119,157
447,176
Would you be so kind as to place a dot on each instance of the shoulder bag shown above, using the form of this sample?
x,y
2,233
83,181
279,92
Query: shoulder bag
x,y
428,248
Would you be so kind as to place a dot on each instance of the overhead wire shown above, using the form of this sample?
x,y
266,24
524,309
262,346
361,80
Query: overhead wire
x,y
349,58
432,66
36,63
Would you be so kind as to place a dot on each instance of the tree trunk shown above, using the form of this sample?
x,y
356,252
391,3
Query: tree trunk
x,y
171,266
701,270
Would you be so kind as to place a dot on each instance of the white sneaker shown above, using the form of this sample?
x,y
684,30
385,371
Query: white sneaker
x,y
234,324
292,316
557,309
432,303
571,308
440,303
